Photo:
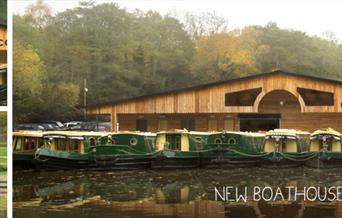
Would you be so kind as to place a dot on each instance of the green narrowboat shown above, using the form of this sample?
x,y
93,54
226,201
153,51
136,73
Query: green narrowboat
x,y
179,149
232,148
66,149
25,144
285,148
327,147
124,150
3,84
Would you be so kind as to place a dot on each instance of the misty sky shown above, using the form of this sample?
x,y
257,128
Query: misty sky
x,y
312,17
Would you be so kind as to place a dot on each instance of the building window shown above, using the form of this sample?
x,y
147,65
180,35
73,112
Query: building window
x,y
212,125
188,124
228,124
141,125
242,98
162,125
316,98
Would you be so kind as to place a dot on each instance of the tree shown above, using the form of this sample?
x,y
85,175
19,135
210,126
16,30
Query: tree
x,y
222,56
204,24
38,14
27,76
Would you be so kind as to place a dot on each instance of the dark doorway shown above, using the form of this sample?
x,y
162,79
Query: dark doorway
x,y
141,125
188,124
259,122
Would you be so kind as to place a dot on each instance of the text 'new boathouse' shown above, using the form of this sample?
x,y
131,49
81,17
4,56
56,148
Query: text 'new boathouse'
x,y
260,102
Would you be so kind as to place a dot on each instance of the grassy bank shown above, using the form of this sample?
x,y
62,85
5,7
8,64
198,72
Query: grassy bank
x,y
3,158
3,174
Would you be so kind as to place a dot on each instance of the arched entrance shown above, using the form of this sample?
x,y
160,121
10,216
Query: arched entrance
x,y
279,101
270,110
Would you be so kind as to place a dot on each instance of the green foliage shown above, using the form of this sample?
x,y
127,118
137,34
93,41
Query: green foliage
x,y
123,54
3,129
3,12
28,74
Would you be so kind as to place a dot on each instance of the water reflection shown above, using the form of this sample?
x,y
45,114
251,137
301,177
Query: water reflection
x,y
165,193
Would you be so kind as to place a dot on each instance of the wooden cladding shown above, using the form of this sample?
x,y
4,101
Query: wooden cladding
x,y
316,98
212,99
3,39
279,101
242,98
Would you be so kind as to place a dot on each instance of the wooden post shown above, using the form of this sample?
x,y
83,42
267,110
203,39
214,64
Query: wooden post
x,y
114,119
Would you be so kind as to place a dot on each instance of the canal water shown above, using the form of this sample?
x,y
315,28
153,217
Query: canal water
x,y
176,193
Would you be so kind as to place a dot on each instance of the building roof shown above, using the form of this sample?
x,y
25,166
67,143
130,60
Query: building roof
x,y
194,87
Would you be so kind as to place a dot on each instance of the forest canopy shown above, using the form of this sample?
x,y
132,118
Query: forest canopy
x,y
3,12
122,54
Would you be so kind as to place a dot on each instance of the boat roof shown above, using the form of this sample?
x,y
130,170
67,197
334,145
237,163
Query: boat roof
x,y
3,68
255,134
74,133
288,132
37,134
183,131
132,133
327,131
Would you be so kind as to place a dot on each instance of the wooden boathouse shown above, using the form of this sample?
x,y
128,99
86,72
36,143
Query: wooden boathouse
x,y
260,102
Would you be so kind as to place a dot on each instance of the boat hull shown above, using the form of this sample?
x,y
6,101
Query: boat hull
x,y
60,160
285,160
23,160
325,160
214,159
170,159
121,162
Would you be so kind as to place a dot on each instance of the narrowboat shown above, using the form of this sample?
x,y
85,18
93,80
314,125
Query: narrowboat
x,y
326,145
178,149
124,151
66,149
25,144
232,148
285,148
3,84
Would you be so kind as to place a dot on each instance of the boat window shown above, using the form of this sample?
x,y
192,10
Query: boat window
x,y
231,141
33,144
50,142
92,142
133,141
218,140
40,143
61,144
168,142
18,144
73,145
270,145
335,145
289,146
199,139
173,142
26,144
177,142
